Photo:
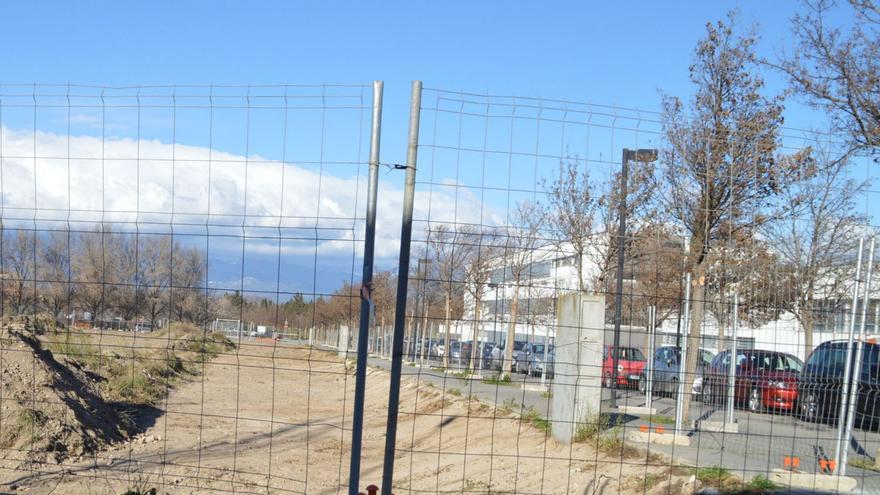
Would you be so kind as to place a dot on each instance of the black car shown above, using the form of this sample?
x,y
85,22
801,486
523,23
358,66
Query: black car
x,y
821,383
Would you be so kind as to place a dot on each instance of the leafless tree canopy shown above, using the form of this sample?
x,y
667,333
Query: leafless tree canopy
x,y
838,70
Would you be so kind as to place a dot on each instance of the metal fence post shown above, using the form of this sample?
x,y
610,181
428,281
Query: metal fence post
x,y
357,425
682,358
844,393
402,285
731,371
857,365
649,372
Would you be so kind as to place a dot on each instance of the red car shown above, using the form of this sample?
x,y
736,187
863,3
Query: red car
x,y
630,366
764,379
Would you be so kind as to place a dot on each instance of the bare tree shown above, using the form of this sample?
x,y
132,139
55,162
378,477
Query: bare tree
x,y
721,172
91,267
603,253
450,250
54,272
155,268
815,243
522,238
572,210
19,269
837,70
479,254
126,256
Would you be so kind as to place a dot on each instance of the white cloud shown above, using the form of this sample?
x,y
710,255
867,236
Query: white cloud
x,y
150,185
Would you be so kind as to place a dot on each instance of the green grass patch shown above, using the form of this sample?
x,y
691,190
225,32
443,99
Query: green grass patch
x,y
135,386
661,420
651,480
534,418
863,463
591,427
547,394
712,475
761,484
454,391
25,423
75,347
463,375
508,406
503,379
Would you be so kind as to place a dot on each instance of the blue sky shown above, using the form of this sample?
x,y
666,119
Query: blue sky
x,y
612,53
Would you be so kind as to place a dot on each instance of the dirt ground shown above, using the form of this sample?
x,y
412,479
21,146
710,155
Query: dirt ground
x,y
273,418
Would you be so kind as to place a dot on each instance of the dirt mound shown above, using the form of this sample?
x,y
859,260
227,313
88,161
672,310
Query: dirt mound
x,y
67,393
51,409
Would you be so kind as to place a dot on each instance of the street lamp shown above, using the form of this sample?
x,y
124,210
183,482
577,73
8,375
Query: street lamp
x,y
641,156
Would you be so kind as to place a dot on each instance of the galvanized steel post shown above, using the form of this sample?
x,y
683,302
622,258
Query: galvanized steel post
x,y
857,365
402,286
682,358
731,370
649,372
844,395
366,294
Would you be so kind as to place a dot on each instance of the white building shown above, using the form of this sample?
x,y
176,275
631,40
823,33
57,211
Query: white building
x,y
553,272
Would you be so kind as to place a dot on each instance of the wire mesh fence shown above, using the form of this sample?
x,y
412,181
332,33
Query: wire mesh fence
x,y
199,294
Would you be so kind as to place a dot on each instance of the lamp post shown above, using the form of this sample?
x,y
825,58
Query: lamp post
x,y
641,156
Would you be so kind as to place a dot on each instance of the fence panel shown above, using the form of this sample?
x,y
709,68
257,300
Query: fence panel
x,y
179,274
533,362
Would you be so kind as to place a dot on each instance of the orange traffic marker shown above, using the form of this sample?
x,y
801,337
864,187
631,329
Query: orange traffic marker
x,y
659,430
789,462
644,428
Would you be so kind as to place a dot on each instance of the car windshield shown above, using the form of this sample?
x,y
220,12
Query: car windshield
x,y
518,346
630,354
539,348
775,362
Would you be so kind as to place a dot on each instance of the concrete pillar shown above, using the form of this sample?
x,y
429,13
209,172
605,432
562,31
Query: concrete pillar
x,y
577,385
311,336
342,343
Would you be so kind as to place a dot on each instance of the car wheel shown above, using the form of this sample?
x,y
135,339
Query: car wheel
x,y
756,404
643,386
530,371
808,407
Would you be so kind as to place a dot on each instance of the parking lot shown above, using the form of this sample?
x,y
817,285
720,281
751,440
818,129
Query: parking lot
x,y
761,443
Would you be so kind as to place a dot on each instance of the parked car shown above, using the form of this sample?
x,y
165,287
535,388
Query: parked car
x,y
531,360
459,352
498,355
820,383
630,366
486,354
764,379
665,368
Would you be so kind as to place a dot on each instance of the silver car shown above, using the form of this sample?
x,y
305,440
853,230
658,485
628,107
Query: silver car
x,y
665,368
533,360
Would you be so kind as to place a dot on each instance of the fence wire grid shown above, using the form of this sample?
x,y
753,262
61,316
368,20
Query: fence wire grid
x,y
201,294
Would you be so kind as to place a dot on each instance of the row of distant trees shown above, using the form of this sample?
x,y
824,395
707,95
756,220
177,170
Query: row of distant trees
x,y
109,275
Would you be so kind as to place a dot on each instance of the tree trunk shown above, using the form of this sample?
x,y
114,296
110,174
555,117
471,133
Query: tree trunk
x,y
446,332
475,336
697,310
808,333
511,333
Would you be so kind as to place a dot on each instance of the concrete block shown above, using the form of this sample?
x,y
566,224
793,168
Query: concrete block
x,y
636,410
528,387
817,482
658,438
718,426
577,387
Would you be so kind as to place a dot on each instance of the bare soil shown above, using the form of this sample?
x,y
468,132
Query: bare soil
x,y
273,418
